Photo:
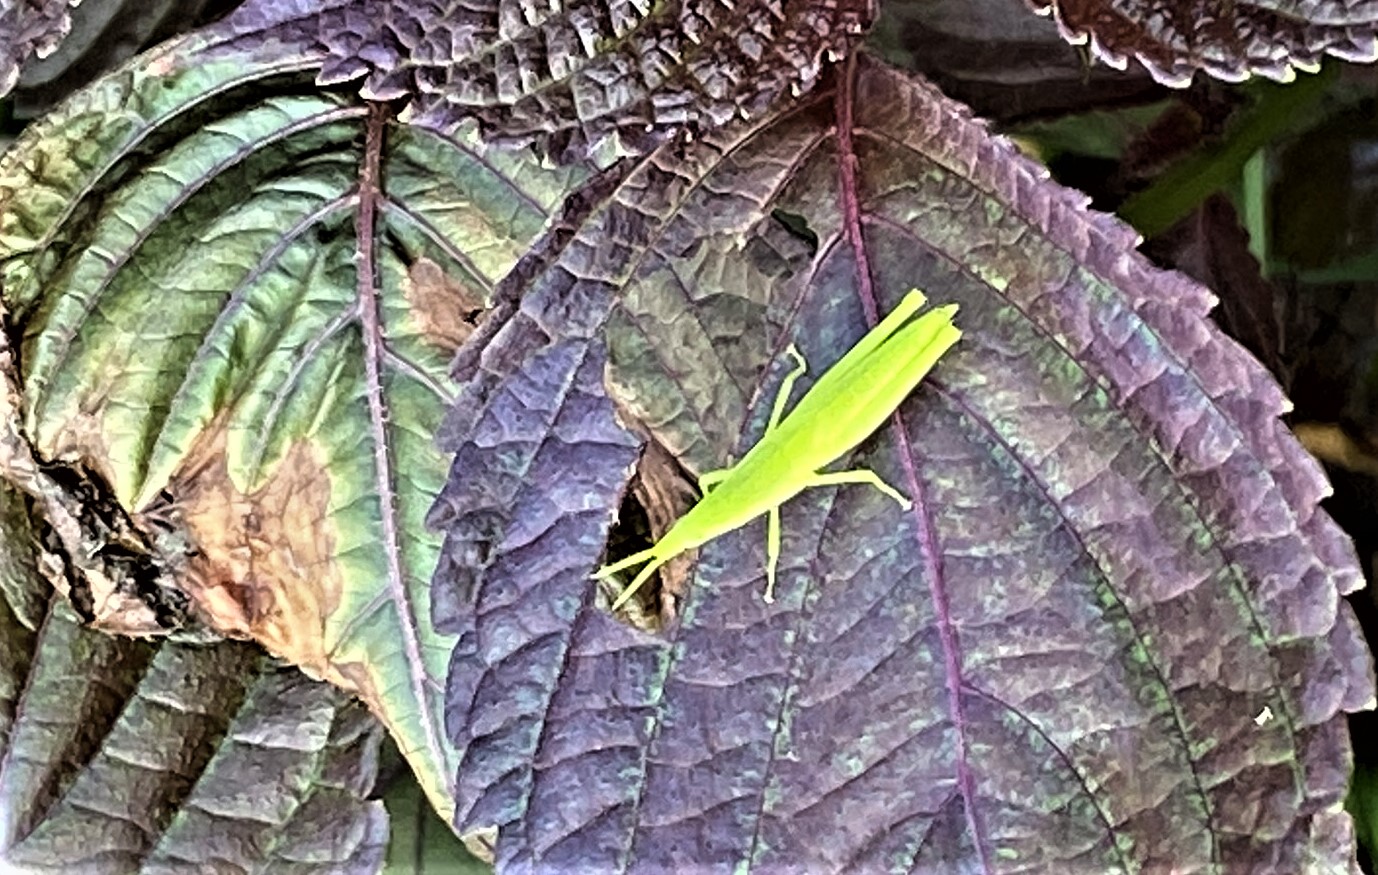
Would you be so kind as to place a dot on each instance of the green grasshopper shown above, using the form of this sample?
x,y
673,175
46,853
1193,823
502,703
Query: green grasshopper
x,y
849,402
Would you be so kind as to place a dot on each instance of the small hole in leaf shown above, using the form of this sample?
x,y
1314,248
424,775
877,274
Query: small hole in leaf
x,y
798,226
630,535
632,531
662,493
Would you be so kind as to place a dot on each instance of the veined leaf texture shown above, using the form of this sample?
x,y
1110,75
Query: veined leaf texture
x,y
372,390
1031,672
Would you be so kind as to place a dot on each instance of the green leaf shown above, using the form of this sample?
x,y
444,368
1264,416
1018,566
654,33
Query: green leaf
x,y
238,296
420,842
1279,110
121,756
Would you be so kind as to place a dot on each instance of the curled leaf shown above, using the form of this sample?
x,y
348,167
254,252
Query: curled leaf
x,y
232,314
29,29
94,37
1005,64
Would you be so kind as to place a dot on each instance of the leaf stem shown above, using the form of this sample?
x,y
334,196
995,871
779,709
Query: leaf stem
x,y
848,189
849,193
370,321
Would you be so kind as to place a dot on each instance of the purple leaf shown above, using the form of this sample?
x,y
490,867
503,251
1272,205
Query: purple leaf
x,y
119,755
29,28
570,76
1231,40
1212,247
1108,638
996,58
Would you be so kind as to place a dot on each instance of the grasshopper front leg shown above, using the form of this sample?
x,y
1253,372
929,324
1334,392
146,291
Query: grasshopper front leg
x,y
709,479
786,387
772,551
777,411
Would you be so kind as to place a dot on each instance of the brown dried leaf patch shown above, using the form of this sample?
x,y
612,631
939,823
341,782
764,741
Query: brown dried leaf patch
x,y
445,309
265,561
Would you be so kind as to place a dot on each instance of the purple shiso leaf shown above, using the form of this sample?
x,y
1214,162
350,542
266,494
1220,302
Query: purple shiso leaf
x,y
1109,637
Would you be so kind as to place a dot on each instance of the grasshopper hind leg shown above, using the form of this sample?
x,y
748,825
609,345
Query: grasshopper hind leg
x,y
641,577
863,476
634,559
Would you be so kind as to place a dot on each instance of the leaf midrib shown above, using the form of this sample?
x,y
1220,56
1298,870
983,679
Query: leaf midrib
x,y
370,318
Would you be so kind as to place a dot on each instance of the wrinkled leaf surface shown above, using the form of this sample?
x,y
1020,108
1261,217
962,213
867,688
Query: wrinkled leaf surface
x,y
1231,41
1211,246
27,29
1108,638
571,74
238,296
121,756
